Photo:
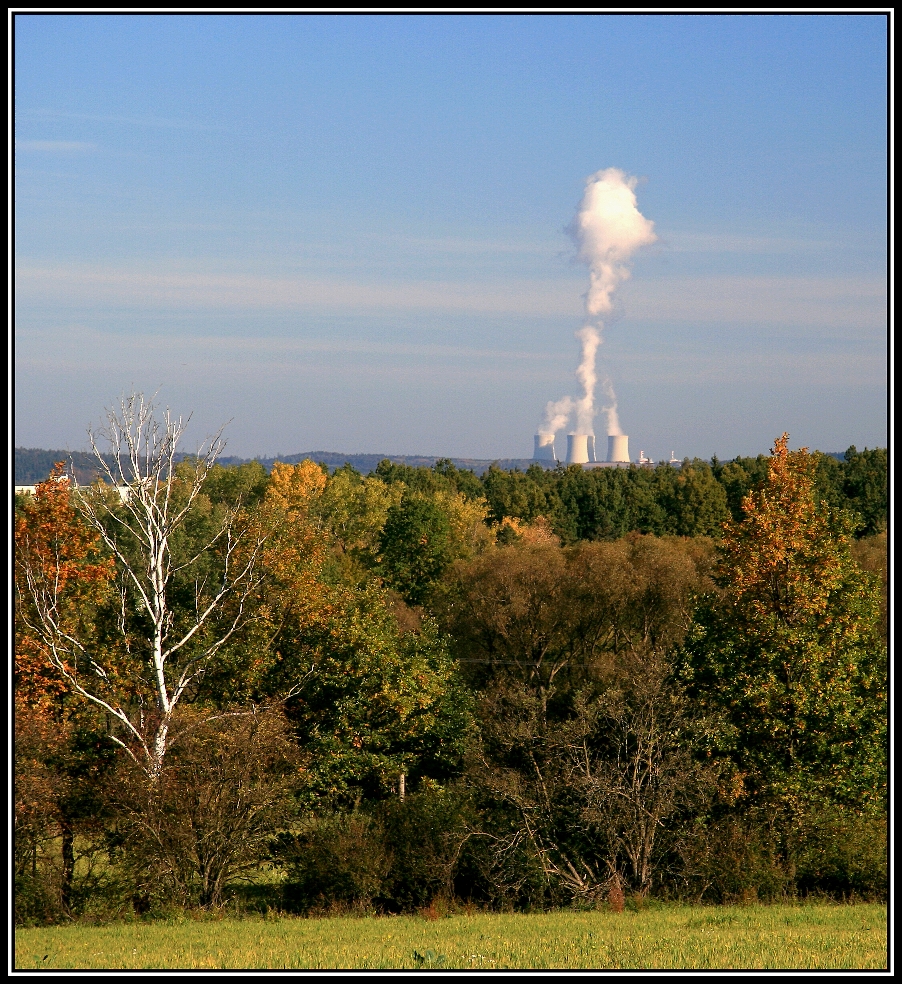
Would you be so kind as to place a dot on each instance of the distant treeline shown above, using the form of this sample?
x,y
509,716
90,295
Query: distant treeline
x,y
33,465
581,504
693,500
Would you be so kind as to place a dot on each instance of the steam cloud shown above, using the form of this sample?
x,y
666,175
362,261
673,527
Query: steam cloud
x,y
607,230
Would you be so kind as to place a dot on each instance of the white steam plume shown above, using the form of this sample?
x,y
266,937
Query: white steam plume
x,y
610,408
590,339
557,413
607,230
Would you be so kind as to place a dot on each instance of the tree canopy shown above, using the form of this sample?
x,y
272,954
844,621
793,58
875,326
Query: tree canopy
x,y
789,651
521,689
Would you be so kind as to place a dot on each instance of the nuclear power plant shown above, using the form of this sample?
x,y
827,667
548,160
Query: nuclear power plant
x,y
578,449
618,447
544,448
607,230
581,451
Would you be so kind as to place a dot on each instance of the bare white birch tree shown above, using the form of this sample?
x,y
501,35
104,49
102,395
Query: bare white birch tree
x,y
137,450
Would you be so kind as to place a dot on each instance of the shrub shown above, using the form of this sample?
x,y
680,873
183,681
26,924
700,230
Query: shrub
x,y
339,861
425,833
843,854
208,819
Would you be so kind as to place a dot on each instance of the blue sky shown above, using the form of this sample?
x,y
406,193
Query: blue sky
x,y
347,233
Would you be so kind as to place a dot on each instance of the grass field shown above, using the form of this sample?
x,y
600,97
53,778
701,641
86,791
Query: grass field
x,y
754,937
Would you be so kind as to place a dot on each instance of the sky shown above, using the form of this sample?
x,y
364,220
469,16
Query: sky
x,y
349,233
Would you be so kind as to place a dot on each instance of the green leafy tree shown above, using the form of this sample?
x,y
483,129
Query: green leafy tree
x,y
519,495
699,502
373,704
416,546
593,504
865,484
354,508
871,553
736,483
586,742
789,654
230,484
647,494
460,480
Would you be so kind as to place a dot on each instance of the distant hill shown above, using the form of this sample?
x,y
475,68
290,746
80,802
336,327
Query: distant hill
x,y
32,465
365,463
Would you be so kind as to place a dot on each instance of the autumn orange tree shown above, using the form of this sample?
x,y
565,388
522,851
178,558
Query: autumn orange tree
x,y
789,654
62,579
57,557
293,597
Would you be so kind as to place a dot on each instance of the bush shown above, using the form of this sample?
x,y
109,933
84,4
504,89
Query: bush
x,y
828,851
395,856
37,900
425,833
726,860
337,862
209,818
843,854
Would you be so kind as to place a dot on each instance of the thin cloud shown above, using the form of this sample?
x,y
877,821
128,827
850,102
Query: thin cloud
x,y
56,146
779,365
712,242
151,122
100,285
814,302
76,349
818,303
79,337
79,349
458,245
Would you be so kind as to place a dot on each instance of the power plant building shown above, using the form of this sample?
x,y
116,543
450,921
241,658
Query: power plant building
x,y
618,448
544,448
581,450
578,449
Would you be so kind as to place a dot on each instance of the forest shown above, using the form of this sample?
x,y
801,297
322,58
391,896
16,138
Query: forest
x,y
309,690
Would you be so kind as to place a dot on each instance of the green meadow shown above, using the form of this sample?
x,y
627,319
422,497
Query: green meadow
x,y
666,937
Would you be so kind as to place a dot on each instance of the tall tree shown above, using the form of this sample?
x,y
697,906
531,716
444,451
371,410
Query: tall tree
x,y
159,647
60,564
354,508
586,743
379,703
61,576
416,546
790,653
865,485
698,505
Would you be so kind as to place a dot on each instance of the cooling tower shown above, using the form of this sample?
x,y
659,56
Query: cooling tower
x,y
592,448
577,449
544,448
618,447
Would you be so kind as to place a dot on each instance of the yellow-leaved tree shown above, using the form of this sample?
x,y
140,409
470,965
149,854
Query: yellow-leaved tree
x,y
789,657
